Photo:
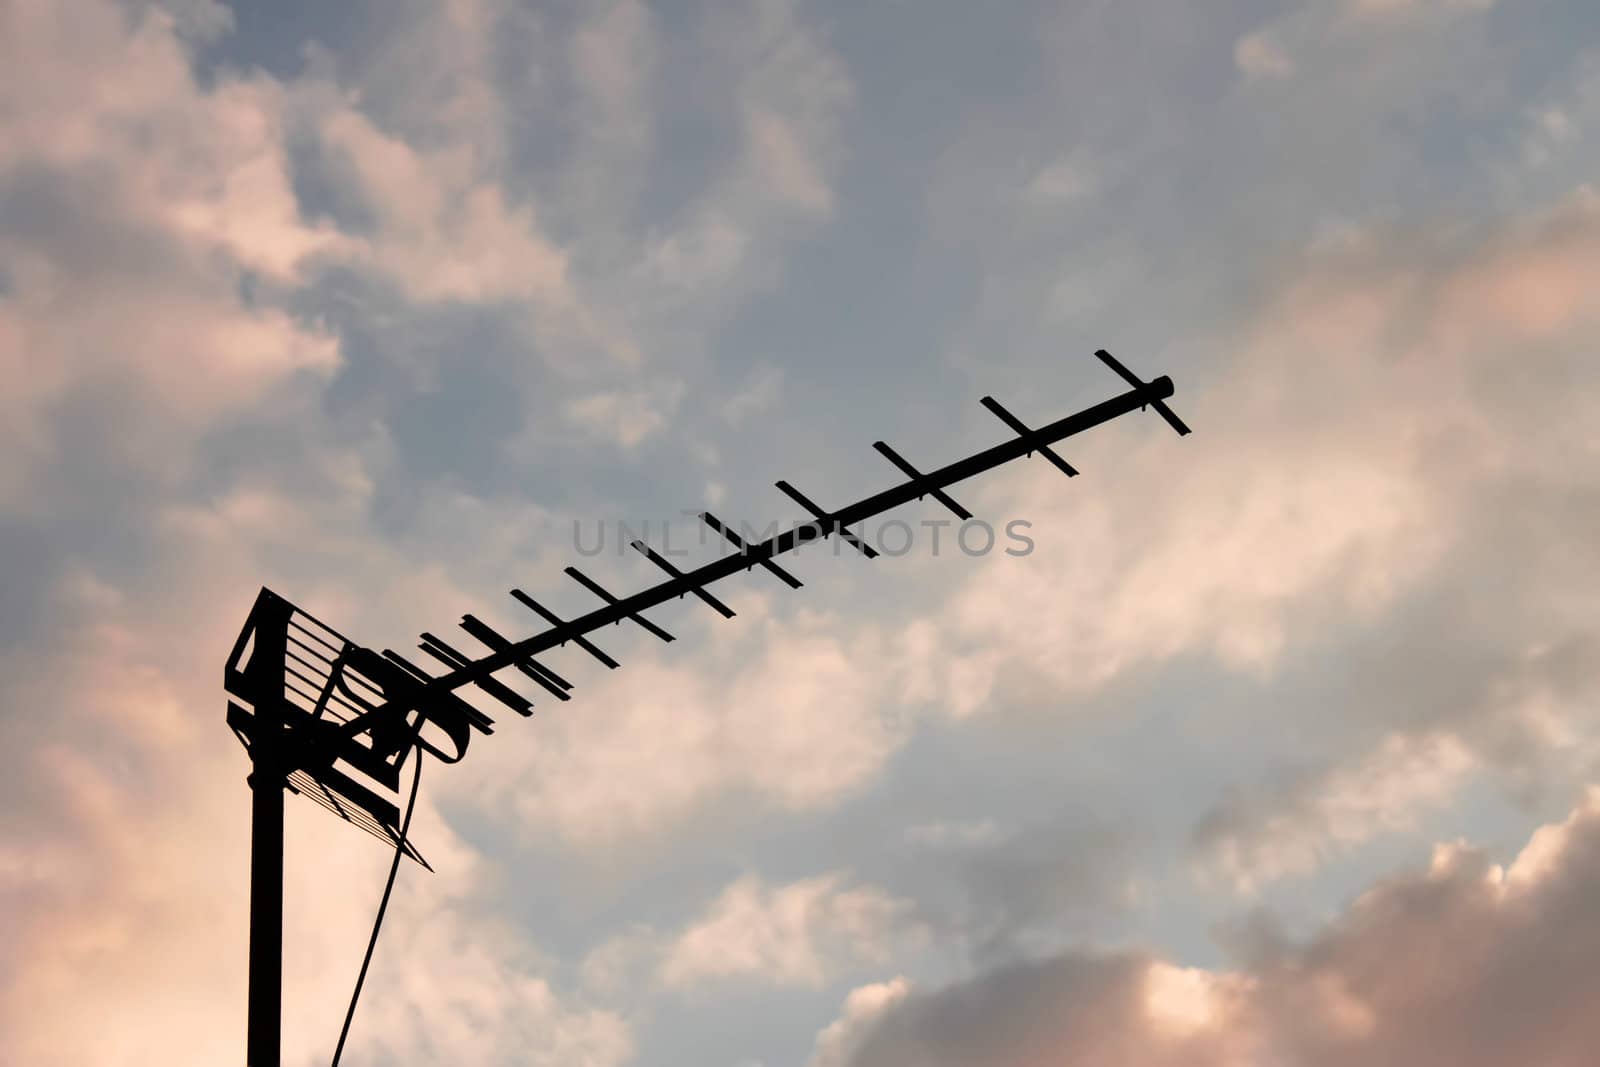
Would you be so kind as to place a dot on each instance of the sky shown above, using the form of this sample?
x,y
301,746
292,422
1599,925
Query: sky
x,y
1277,750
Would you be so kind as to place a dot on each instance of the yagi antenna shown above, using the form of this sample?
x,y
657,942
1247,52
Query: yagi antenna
x,y
328,719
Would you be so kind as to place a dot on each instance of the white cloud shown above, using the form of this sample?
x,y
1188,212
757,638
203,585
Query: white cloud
x,y
1337,461
838,1041
1360,449
803,933
1185,1003
793,714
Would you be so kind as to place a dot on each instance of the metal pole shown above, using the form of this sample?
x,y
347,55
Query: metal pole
x,y
263,1043
266,918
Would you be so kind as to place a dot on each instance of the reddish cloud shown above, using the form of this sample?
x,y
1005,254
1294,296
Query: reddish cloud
x,y
1466,964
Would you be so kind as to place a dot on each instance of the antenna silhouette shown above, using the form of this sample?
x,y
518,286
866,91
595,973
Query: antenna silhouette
x,y
334,721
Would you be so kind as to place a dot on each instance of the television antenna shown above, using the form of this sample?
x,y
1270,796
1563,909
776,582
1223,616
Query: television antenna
x,y
335,721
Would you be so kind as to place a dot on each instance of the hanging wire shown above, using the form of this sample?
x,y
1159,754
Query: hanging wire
x,y
383,905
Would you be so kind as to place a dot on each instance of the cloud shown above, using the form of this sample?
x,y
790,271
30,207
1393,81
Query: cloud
x,y
1373,987
840,1039
162,396
803,933
115,105
1259,56
1391,8
626,418
790,93
1072,1009
759,395
1263,839
179,426
1465,963
793,713
615,57
599,248
124,872
142,204
793,91
1379,453
1017,892
444,231
1555,148
1351,466
1069,178
481,997
957,834
160,384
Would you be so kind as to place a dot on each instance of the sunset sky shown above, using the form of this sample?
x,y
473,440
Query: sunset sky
x,y
1279,750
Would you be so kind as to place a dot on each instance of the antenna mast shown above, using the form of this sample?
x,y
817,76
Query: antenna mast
x,y
335,721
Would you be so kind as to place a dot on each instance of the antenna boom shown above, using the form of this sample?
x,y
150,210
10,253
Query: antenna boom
x,y
1153,392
